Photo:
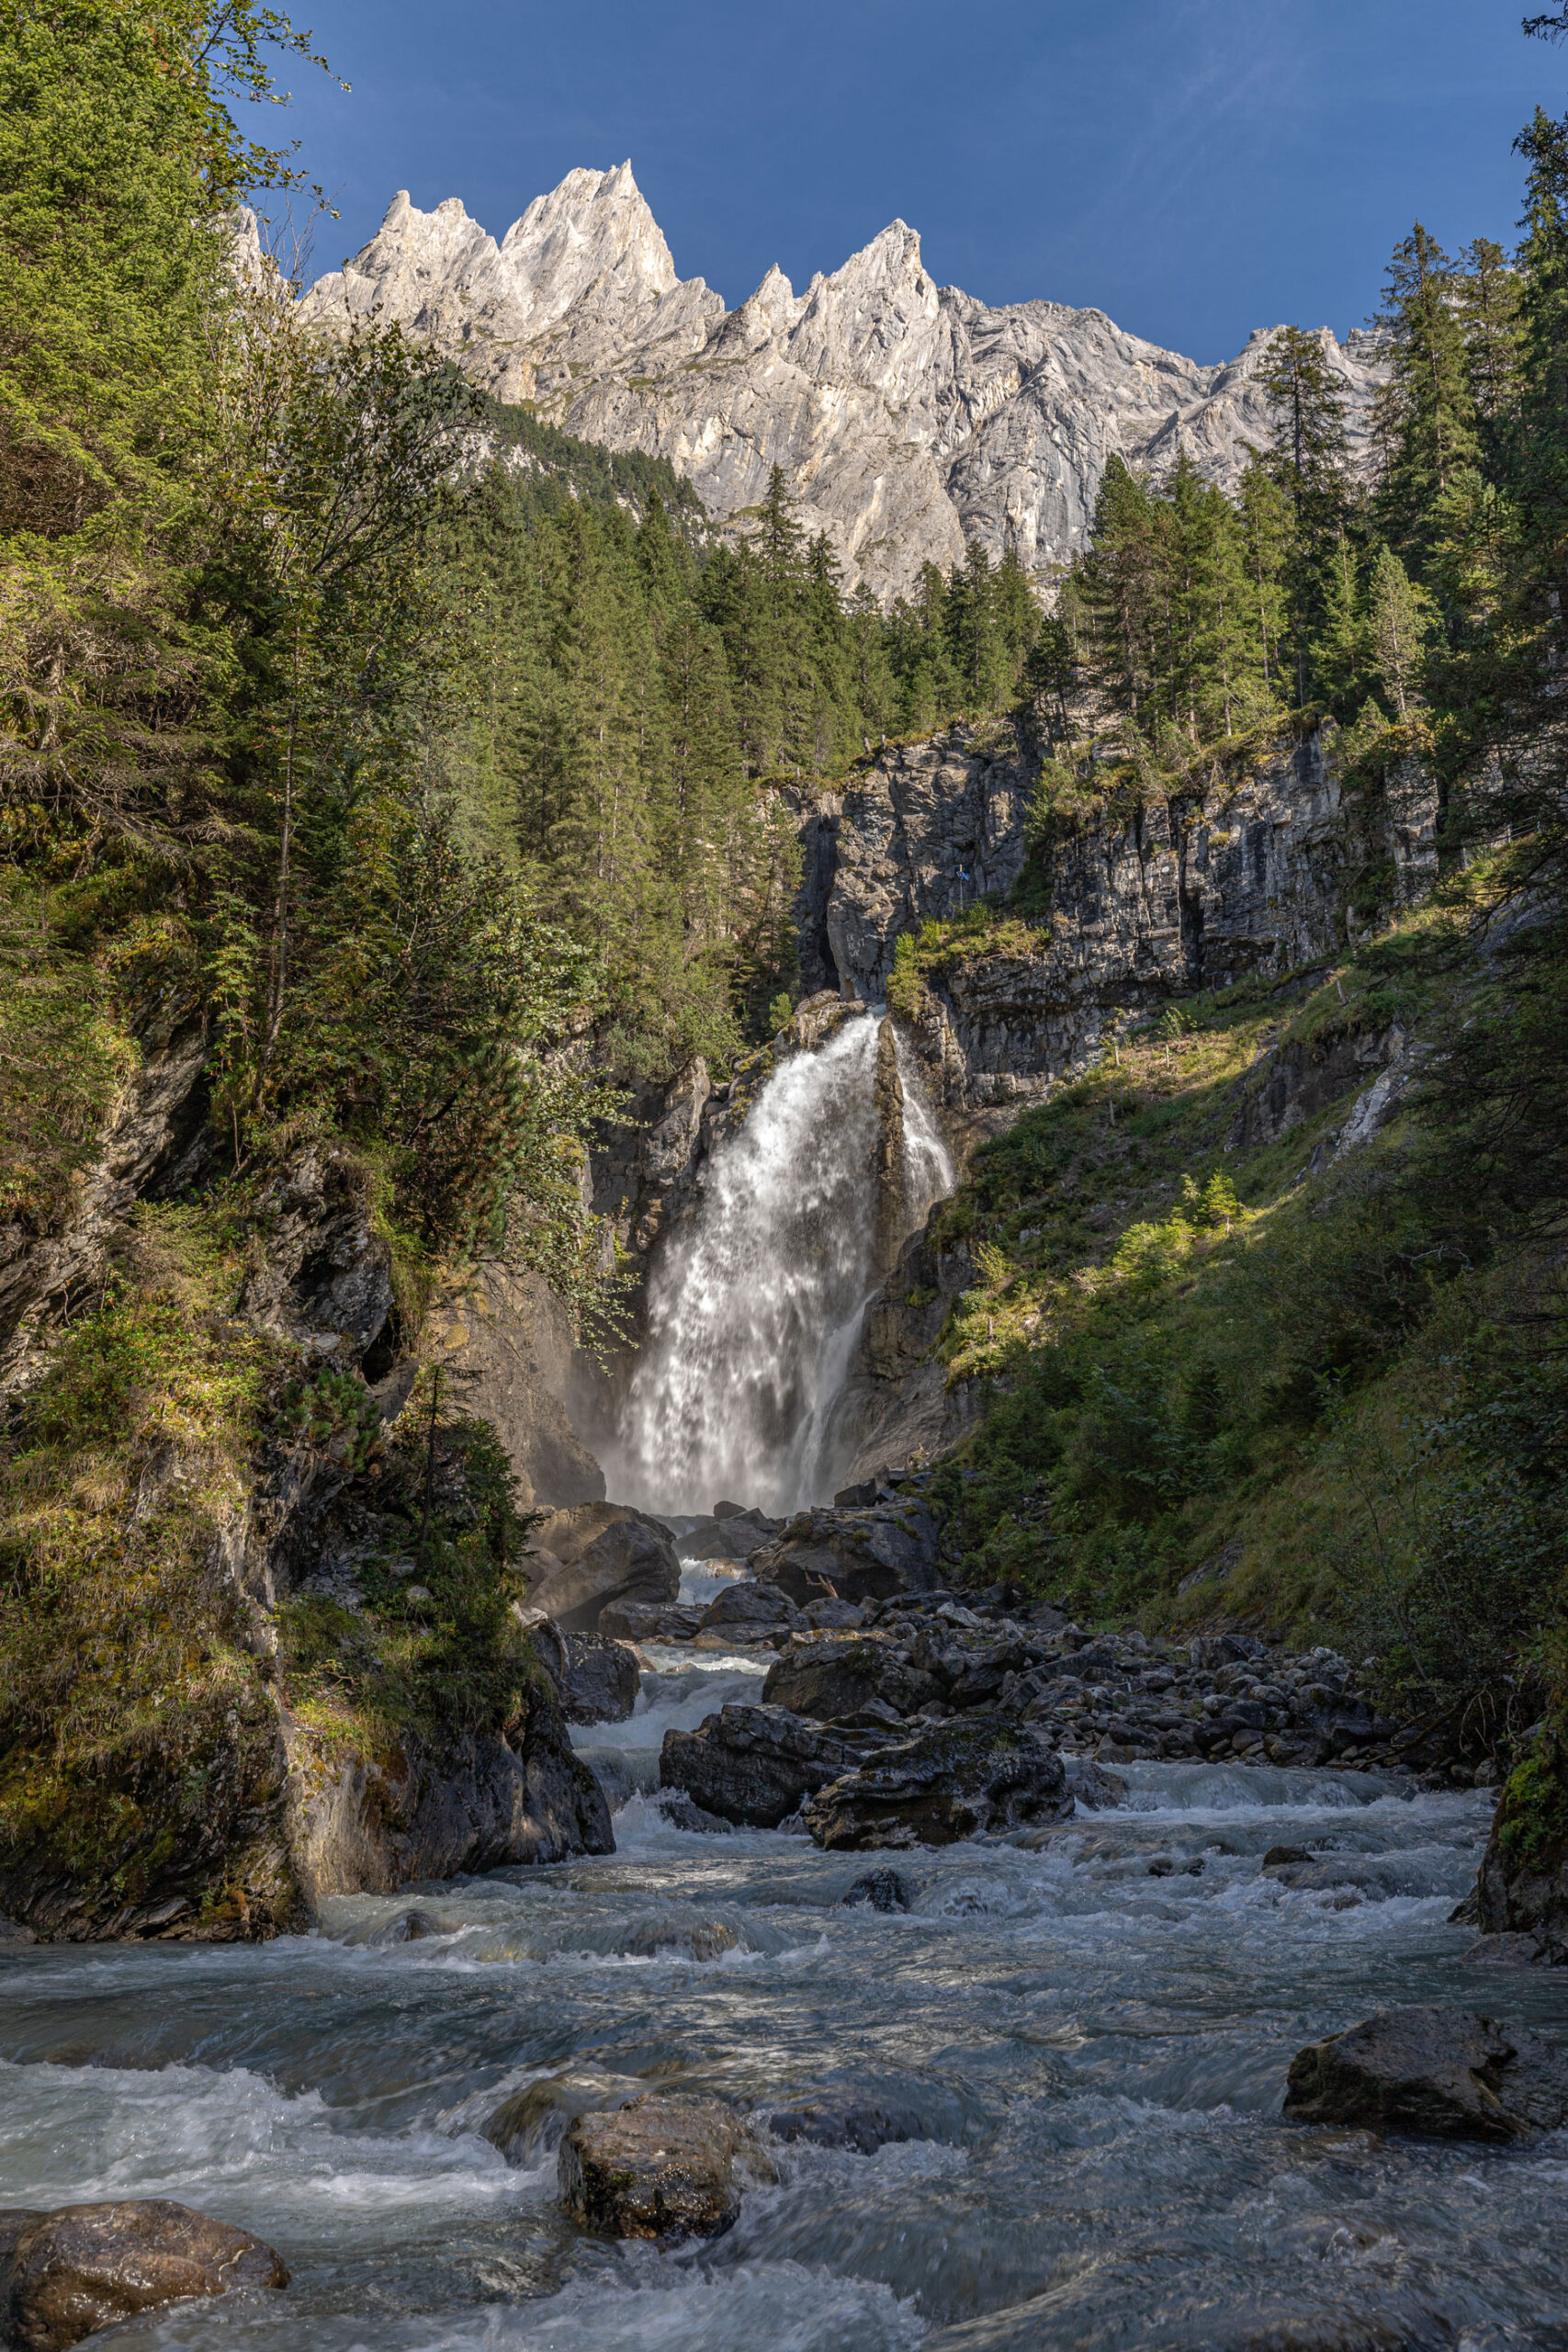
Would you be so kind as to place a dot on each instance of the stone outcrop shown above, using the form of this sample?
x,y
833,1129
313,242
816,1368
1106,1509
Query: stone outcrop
x,y
662,2167
908,417
510,1344
149,1130
596,1555
828,1675
858,1554
67,2273
752,1765
1522,1888
1252,874
954,1780
1440,2074
370,1824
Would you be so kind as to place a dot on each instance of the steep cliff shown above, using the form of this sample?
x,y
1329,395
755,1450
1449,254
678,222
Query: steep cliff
x,y
908,417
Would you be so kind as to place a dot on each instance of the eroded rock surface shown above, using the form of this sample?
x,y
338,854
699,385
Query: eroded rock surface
x,y
954,1780
1440,2073
67,2273
598,1554
659,2167
753,1765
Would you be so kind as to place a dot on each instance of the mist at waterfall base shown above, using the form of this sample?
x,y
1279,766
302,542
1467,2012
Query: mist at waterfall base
x,y
755,1303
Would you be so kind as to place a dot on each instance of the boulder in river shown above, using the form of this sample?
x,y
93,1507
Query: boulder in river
x,y
600,1553
531,2124
752,1765
860,1556
67,2273
978,1773
863,2125
884,1890
660,2166
601,1678
746,1607
1438,2073
830,1675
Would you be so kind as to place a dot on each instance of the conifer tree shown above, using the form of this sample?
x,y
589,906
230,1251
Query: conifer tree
x,y
1398,622
1425,416
1308,459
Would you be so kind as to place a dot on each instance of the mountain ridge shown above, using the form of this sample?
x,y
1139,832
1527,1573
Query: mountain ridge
x,y
909,418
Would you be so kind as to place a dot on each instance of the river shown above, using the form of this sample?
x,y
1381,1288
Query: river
x,y
1089,2058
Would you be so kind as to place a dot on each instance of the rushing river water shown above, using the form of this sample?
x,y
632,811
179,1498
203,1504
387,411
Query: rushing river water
x,y
1089,2058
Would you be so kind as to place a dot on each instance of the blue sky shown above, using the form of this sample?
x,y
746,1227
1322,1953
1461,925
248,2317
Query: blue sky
x,y
1194,167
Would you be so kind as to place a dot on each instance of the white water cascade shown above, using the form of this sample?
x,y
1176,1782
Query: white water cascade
x,y
756,1304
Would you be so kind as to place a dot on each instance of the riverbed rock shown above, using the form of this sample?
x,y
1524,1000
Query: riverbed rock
x,y
370,1825
69,2272
601,1679
1522,1888
746,1607
637,1621
752,1765
730,1534
883,1890
827,1675
660,2166
976,1774
1440,2073
597,1555
859,1555
531,2124
863,2125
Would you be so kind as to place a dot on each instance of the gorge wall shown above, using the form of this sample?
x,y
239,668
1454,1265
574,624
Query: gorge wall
x,y
909,418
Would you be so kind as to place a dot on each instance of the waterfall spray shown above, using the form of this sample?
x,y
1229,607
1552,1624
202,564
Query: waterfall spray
x,y
755,1304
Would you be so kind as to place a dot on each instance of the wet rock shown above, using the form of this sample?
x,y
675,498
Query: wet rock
x,y
1440,2073
69,2272
531,2124
683,1811
409,1928
1279,1856
748,1607
660,2166
752,1765
830,1675
1506,1951
957,1779
860,2125
371,1825
680,1938
13,1932
637,1621
1522,1888
729,1535
601,1678
1092,1785
600,1554
884,1890
859,1555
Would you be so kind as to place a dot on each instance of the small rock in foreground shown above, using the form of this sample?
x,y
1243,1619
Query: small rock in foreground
x,y
958,1780
660,2166
884,1890
67,2273
1440,2073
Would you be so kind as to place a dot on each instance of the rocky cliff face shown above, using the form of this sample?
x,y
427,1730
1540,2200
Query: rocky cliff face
x,y
908,417
1258,871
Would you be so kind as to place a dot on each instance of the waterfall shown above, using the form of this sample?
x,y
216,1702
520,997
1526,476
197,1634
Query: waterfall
x,y
755,1303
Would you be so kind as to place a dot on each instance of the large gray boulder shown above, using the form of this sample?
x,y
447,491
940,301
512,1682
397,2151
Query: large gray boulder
x,y
828,1675
860,1556
746,1607
601,1678
67,2273
958,1780
660,2166
1438,2073
753,1765
599,1554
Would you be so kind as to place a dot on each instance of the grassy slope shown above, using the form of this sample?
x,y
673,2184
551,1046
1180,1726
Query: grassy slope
x,y
1261,1390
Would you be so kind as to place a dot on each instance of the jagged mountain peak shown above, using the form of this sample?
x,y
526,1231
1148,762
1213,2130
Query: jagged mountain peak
x,y
910,418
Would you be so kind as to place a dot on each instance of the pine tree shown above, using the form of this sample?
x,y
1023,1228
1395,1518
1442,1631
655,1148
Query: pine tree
x,y
1308,459
1398,623
1426,413
1487,302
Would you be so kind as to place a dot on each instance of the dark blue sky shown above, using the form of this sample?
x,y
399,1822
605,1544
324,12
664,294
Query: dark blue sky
x,y
1194,167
